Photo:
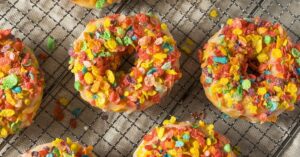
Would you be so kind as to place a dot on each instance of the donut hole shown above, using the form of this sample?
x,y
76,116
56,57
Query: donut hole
x,y
127,62
252,68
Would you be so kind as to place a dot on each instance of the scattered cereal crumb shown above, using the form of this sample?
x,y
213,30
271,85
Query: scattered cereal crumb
x,y
51,43
76,112
58,113
85,128
188,46
73,123
214,13
198,116
43,56
236,150
63,101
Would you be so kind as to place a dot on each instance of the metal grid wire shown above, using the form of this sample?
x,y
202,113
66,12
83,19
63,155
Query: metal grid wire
x,y
118,134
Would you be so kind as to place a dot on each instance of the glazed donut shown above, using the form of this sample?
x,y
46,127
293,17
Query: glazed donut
x,y
249,71
97,54
59,147
95,3
21,84
184,140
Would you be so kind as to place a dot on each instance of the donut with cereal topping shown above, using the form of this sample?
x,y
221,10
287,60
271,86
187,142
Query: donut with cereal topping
x,y
96,57
21,84
184,139
249,70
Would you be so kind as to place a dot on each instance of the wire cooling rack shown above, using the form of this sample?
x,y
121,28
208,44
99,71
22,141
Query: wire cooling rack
x,y
118,134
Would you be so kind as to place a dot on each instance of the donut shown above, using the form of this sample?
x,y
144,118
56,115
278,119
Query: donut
x,y
249,70
184,139
21,84
95,3
60,148
96,58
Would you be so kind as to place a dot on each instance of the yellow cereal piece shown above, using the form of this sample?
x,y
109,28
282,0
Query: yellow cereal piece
x,y
160,56
152,93
277,89
3,133
77,67
88,78
195,149
171,72
164,26
160,132
57,142
110,76
89,54
95,87
100,101
137,86
126,93
111,44
285,42
146,64
224,81
69,141
140,79
187,45
74,147
234,69
258,46
278,42
142,99
276,53
149,33
91,27
189,42
173,120
104,85
208,141
229,99
252,109
20,95
215,88
95,71
210,129
9,98
186,49
214,13
27,101
145,94
168,39
229,21
291,88
261,91
63,101
243,40
237,31
201,123
7,113
1,74
262,30
106,23
262,57
172,152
